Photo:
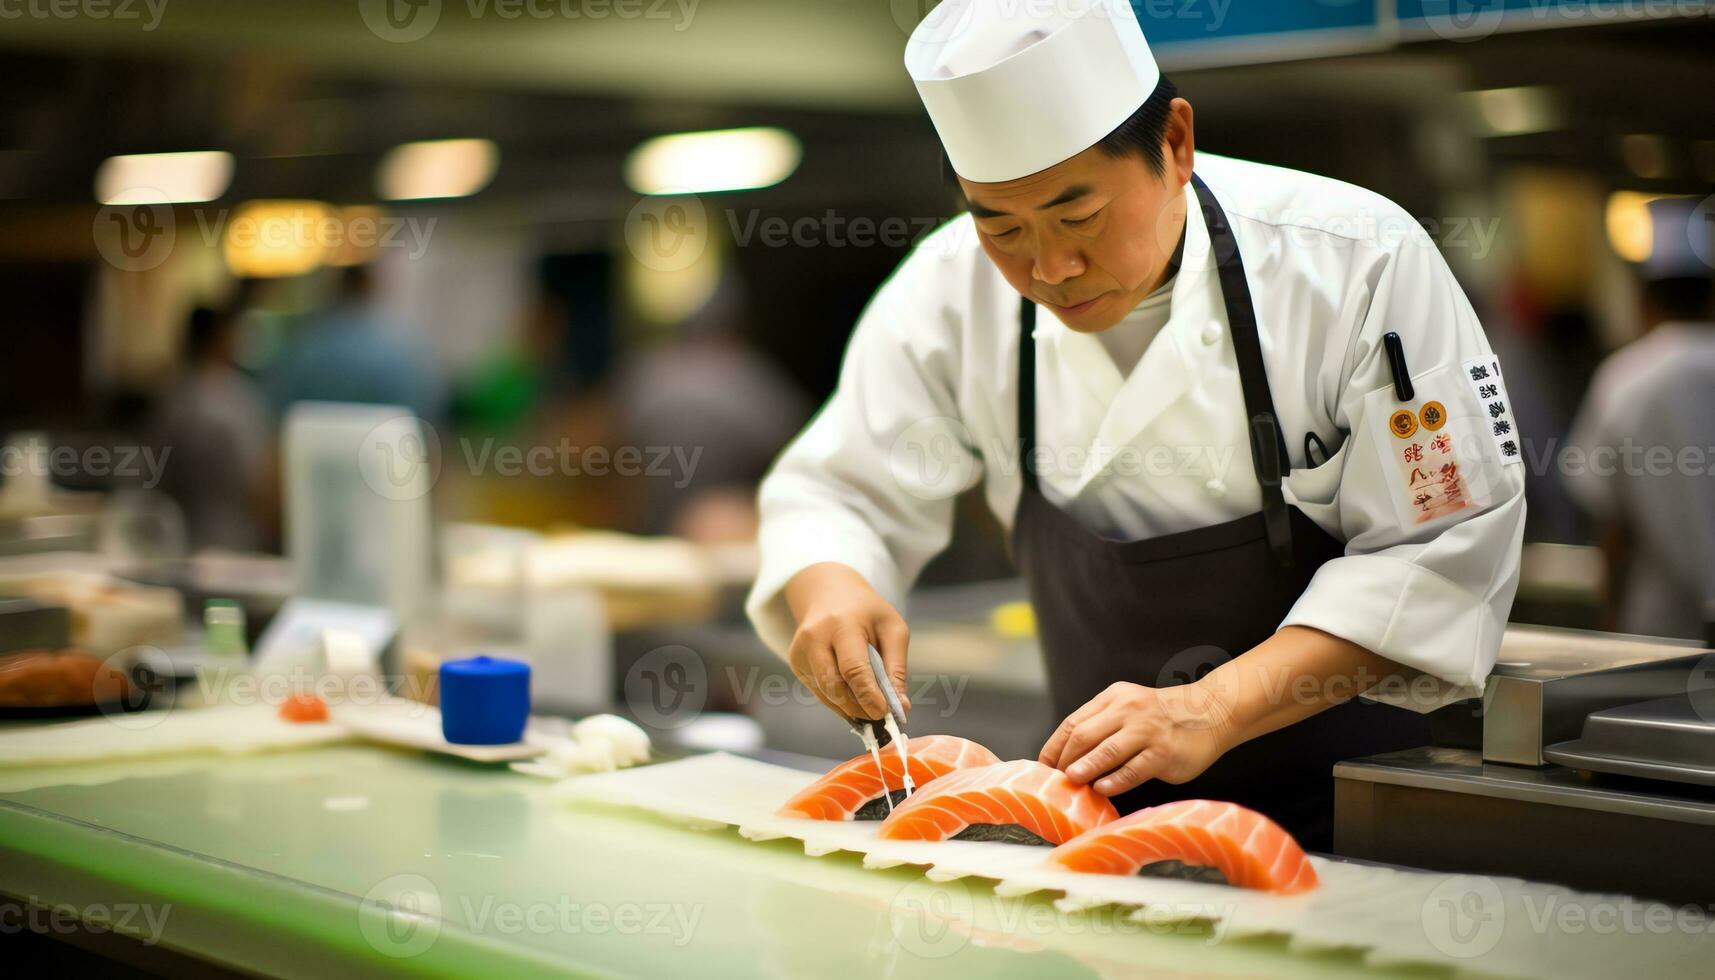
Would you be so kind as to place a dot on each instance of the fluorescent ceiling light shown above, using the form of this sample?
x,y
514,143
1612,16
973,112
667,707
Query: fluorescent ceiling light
x,y
275,239
1516,111
1631,230
437,169
164,178
720,160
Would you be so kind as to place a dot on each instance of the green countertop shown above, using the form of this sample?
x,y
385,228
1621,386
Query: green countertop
x,y
357,860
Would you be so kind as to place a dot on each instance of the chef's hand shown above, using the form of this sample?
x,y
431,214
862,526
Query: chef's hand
x,y
839,615
1130,733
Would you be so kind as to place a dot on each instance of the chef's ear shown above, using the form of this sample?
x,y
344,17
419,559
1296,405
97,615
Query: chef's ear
x,y
1180,144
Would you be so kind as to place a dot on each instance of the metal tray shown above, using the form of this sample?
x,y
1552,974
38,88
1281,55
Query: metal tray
x,y
1669,738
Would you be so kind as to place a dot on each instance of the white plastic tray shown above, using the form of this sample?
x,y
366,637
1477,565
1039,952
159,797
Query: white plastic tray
x,y
1481,924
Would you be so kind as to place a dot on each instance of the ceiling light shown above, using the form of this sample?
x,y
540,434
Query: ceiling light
x,y
1631,231
1516,111
438,169
708,162
164,178
275,239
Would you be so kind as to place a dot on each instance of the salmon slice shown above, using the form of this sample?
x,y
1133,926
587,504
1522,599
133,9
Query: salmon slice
x,y
984,802
849,789
1190,839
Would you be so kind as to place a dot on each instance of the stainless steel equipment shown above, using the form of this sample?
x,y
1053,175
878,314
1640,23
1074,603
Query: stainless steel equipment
x,y
1671,739
1547,681
1448,810
1517,809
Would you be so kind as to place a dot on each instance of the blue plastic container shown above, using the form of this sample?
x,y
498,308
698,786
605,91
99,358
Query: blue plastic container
x,y
484,700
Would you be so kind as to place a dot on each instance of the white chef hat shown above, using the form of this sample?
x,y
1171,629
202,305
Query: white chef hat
x,y
1682,244
1017,86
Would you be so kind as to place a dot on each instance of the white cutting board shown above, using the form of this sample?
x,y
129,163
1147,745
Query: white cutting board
x,y
1391,917
415,725
238,730
228,729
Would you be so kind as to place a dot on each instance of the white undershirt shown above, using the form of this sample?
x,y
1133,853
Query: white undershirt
x,y
1126,340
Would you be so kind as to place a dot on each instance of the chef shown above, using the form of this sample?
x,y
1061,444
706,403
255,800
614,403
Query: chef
x,y
1247,437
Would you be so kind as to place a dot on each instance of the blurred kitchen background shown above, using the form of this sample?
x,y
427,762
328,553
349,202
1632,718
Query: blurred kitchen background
x,y
609,253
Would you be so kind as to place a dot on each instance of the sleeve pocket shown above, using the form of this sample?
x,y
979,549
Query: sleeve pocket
x,y
1316,491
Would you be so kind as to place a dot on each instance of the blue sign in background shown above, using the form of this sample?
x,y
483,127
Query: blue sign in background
x,y
1481,14
1168,22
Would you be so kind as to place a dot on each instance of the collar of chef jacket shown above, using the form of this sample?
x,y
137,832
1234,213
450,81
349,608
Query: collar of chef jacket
x,y
1192,351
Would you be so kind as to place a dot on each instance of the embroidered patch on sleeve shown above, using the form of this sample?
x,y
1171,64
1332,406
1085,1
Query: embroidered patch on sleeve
x,y
1484,376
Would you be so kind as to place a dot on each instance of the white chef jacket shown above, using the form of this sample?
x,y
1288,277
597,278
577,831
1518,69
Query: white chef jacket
x,y
926,407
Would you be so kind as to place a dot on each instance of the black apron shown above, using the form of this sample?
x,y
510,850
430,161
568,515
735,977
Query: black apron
x,y
1164,611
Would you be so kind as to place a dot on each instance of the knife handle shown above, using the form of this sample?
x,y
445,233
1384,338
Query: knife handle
x,y
886,685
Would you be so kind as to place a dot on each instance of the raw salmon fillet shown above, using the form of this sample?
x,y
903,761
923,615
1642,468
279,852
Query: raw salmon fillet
x,y
1024,793
850,785
1248,849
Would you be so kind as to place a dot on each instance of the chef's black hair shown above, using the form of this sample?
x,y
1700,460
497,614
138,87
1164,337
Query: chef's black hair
x,y
1146,129
1143,132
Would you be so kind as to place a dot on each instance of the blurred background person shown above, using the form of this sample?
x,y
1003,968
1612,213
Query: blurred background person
x,y
521,227
215,426
709,392
351,351
1644,435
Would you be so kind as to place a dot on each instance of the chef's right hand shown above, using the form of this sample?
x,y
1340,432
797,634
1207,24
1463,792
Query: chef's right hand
x,y
839,615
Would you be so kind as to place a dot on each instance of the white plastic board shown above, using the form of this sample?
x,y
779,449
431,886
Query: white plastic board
x,y
241,729
415,725
1489,925
228,729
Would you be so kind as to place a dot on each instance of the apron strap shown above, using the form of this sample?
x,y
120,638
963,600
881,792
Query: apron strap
x,y
1268,444
1027,391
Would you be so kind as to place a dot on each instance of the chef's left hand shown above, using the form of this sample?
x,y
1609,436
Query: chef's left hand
x,y
1130,733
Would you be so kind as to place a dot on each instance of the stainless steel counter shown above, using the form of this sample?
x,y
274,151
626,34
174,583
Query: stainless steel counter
x,y
1449,810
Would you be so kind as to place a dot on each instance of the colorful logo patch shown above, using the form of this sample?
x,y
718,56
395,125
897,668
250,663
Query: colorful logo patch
x,y
1403,423
1434,415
